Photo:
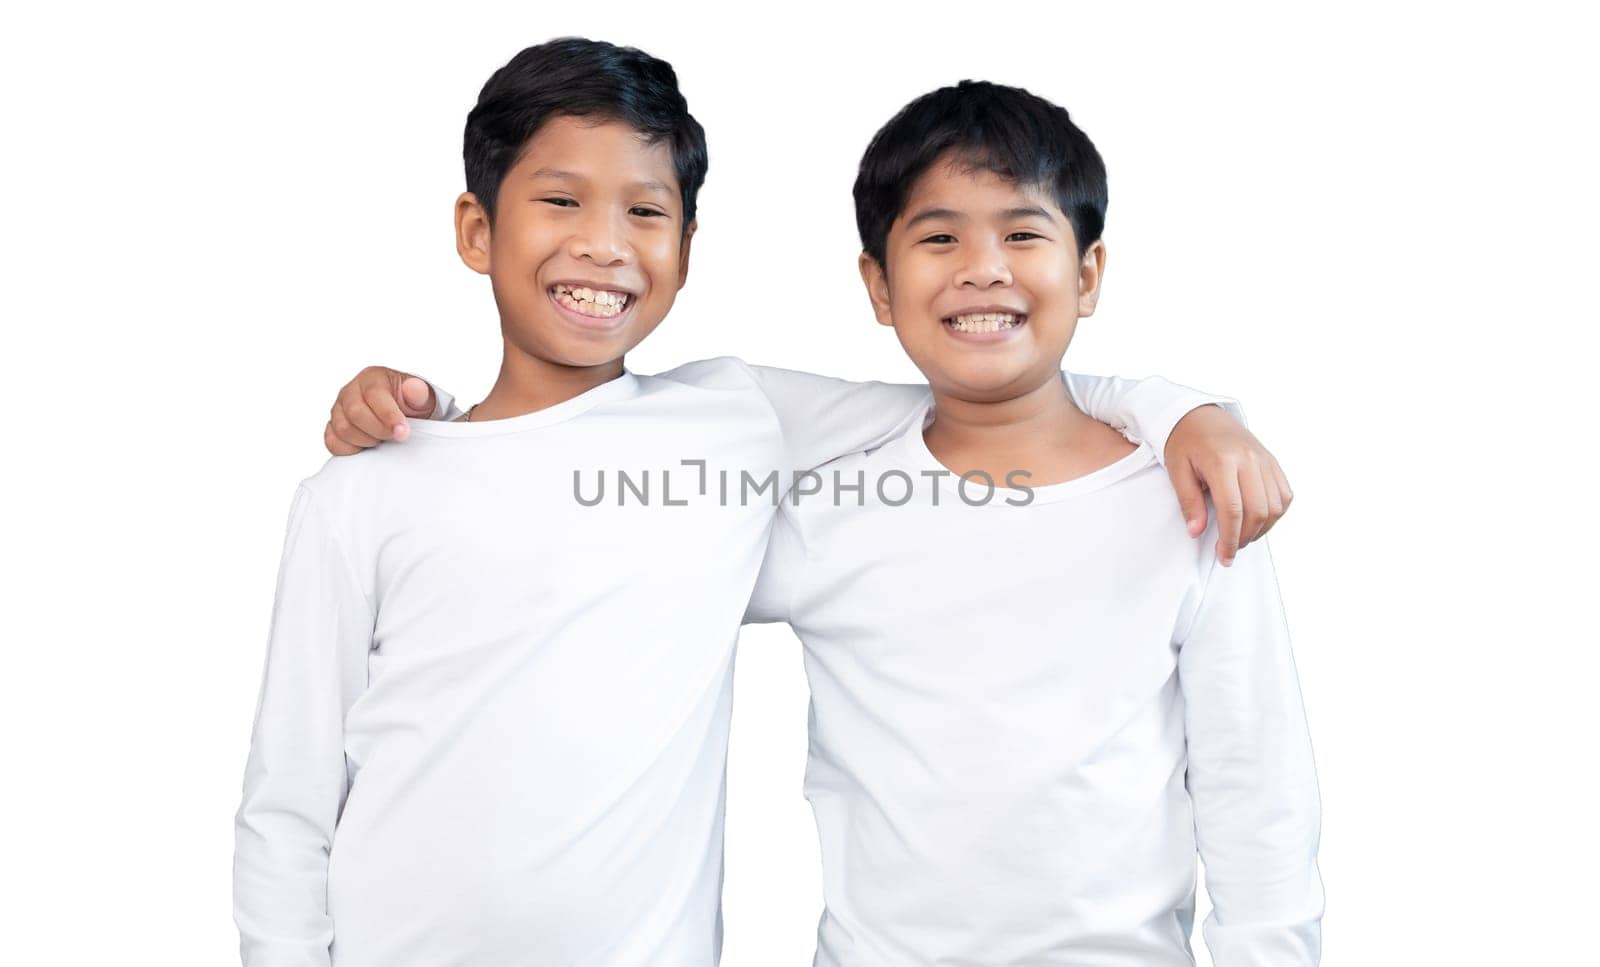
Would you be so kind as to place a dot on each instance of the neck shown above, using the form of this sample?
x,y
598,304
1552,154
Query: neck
x,y
528,383
1040,431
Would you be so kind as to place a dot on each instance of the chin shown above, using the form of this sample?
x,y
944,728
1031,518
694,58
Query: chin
x,y
563,350
981,384
596,355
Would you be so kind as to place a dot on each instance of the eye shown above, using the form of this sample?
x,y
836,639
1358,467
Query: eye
x,y
560,202
1023,236
940,239
646,212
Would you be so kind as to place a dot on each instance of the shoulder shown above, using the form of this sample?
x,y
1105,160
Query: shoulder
x,y
718,372
384,473
339,484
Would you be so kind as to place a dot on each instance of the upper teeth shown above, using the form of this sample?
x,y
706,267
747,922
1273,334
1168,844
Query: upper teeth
x,y
985,321
591,301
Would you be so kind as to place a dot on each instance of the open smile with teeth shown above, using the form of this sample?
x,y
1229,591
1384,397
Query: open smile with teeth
x,y
599,303
986,321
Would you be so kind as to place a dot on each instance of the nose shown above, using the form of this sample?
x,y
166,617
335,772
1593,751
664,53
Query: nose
x,y
985,266
602,239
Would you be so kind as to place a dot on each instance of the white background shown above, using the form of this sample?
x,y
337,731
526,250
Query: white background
x,y
1373,224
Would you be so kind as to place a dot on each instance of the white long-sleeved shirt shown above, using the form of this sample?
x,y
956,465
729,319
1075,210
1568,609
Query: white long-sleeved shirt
x,y
1026,720
493,719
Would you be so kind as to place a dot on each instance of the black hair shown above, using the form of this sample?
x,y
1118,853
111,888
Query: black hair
x,y
577,77
1017,135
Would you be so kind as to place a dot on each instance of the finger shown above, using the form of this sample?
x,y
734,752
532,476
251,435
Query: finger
x,y
1225,496
416,397
1190,490
1278,490
346,404
349,432
385,410
1257,503
336,446
358,412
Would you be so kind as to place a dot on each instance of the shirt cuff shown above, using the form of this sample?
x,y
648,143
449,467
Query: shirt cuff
x,y
444,405
1162,426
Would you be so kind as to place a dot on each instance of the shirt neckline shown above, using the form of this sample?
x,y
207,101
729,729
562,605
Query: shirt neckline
x,y
915,453
620,388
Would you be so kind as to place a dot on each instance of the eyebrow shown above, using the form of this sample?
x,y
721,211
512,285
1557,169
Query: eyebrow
x,y
557,173
932,214
1028,211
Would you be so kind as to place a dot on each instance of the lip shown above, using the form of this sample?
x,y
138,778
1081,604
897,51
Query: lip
x,y
975,310
601,324
589,284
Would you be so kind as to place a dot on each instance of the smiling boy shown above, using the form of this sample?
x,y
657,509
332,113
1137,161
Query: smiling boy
x,y
1020,768
493,721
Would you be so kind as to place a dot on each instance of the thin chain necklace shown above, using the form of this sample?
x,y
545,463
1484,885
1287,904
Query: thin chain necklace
x,y
468,418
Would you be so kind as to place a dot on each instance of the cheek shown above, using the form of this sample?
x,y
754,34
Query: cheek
x,y
659,258
1053,276
522,246
915,286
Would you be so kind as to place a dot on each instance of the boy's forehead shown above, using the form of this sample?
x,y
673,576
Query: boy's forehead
x,y
573,148
973,191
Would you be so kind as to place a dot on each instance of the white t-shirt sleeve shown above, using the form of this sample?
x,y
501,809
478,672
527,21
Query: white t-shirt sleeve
x,y
1251,778
296,780
1144,409
781,572
824,418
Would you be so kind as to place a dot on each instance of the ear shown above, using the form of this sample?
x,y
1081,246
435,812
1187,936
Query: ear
x,y
683,256
877,283
1090,271
472,233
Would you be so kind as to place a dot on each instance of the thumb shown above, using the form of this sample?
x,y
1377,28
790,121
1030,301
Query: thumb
x,y
1191,496
416,397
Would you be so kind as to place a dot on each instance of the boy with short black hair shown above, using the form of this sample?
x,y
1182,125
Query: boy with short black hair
x,y
1028,712
493,721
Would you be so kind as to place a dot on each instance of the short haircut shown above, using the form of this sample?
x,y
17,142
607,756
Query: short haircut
x,y
1006,130
572,76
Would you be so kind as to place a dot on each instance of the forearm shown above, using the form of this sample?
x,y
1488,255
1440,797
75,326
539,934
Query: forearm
x,y
1142,409
280,879
283,832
